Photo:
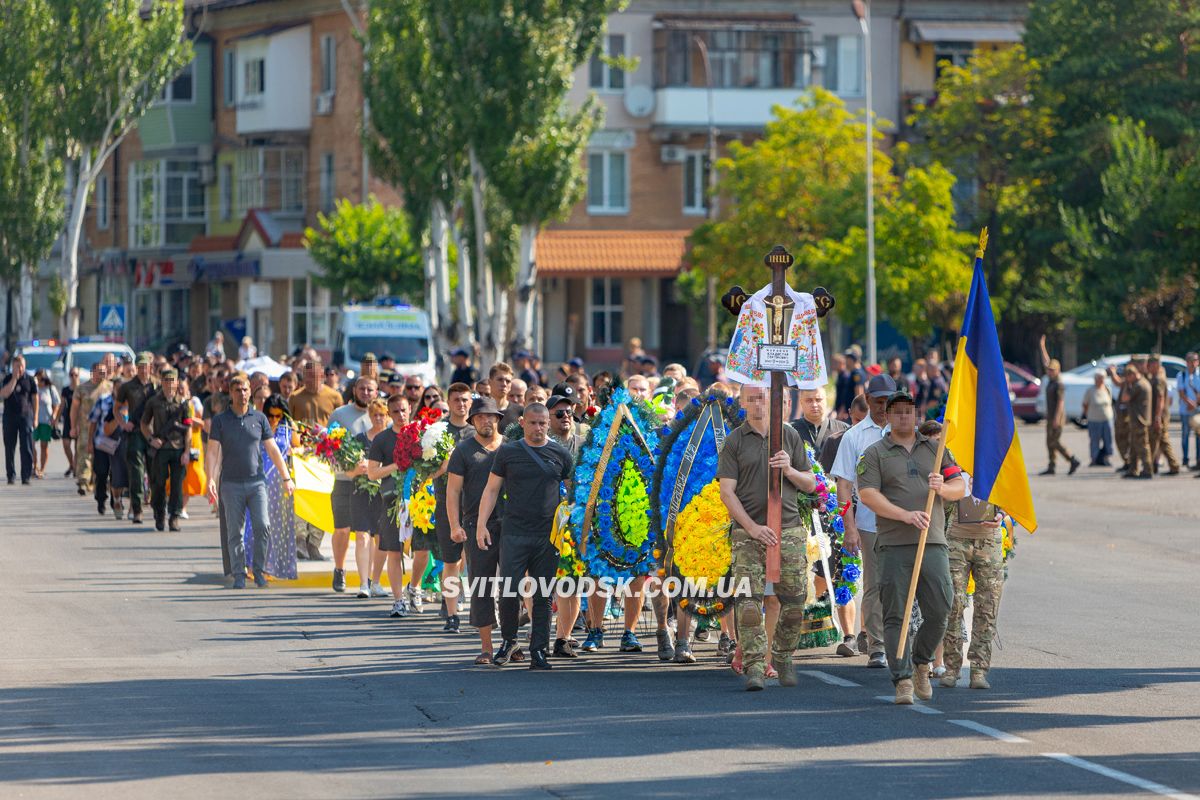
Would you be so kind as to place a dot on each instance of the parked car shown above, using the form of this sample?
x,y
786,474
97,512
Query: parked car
x,y
58,358
1023,388
1077,381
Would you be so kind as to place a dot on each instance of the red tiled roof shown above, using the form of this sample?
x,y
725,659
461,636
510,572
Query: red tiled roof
x,y
292,239
576,253
213,244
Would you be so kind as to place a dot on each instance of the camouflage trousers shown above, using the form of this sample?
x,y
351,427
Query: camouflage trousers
x,y
1121,435
750,564
985,559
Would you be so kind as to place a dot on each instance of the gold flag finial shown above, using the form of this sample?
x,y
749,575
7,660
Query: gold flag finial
x,y
983,240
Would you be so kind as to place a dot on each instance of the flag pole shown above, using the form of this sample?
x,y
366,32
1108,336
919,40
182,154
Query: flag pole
x,y
937,466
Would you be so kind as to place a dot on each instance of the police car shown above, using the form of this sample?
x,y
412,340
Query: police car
x,y
59,358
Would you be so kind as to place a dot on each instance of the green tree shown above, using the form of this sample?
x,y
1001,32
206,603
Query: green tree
x,y
803,185
1125,249
111,61
366,250
31,170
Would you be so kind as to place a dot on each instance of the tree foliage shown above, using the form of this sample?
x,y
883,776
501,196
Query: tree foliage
x,y
365,250
803,185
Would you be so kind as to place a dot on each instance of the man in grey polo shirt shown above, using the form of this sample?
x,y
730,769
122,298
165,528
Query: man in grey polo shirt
x,y
860,520
354,418
233,461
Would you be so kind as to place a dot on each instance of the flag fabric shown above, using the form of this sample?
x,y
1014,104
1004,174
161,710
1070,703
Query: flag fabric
x,y
314,488
979,420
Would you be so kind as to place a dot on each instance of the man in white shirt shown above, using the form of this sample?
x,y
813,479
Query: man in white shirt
x,y
860,520
1187,384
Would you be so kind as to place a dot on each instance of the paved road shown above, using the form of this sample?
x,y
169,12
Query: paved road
x,y
129,671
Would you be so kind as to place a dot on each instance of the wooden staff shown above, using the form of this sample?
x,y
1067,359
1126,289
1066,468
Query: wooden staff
x,y
916,575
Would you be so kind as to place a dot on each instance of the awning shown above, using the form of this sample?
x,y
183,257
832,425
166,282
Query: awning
x,y
579,254
768,22
957,31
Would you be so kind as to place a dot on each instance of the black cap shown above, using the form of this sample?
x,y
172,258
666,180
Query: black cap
x,y
649,359
386,357
460,351
881,386
575,362
899,397
484,405
562,393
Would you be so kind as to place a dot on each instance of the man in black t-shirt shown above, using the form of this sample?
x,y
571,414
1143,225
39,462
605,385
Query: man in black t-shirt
x,y
531,471
381,466
20,396
450,551
469,470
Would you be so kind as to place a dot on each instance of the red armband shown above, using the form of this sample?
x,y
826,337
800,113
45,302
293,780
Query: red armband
x,y
949,473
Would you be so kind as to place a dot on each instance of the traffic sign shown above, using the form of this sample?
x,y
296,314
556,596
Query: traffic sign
x,y
112,317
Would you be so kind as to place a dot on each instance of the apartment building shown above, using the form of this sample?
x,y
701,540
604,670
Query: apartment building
x,y
608,273
196,223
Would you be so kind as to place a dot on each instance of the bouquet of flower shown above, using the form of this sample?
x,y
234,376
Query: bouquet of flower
x,y
436,445
421,446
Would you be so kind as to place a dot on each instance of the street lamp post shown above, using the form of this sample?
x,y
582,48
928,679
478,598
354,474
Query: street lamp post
x,y
862,10
710,205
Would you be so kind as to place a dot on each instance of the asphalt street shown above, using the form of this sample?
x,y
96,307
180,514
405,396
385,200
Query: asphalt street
x,y
129,671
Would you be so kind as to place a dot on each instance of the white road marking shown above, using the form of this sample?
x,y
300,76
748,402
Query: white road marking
x,y
993,732
917,707
1123,777
825,677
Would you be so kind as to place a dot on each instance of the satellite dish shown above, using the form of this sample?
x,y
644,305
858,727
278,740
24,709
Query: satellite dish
x,y
639,101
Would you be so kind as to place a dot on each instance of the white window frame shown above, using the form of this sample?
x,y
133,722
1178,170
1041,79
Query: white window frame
x,y
606,71
102,220
254,183
326,196
835,80
320,304
256,68
607,308
230,78
695,205
166,95
608,206
328,75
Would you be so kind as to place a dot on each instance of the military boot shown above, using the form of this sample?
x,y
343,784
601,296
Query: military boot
x,y
922,688
756,679
904,692
979,679
787,672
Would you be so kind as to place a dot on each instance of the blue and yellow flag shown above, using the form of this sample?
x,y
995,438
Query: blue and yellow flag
x,y
979,420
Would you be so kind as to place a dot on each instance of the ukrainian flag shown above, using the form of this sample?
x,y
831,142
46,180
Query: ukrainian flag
x,y
979,420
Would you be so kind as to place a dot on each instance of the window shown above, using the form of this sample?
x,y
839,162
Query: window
x,y
600,74
775,57
166,203
254,77
314,315
214,308
957,53
102,202
230,78
180,90
605,313
328,64
271,179
326,182
608,182
695,183
225,192
845,68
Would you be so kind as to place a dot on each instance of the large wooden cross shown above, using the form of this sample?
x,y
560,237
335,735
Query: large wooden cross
x,y
779,323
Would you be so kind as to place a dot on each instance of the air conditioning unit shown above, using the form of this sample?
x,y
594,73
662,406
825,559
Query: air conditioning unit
x,y
324,104
818,56
673,154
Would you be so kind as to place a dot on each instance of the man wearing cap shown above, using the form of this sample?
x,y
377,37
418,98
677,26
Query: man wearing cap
x,y
464,371
895,476
166,424
860,519
649,367
468,472
575,366
387,367
562,430
1056,415
85,399
130,407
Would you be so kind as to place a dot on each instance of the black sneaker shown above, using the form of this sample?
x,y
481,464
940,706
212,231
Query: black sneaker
x,y
504,653
451,625
1074,466
537,660
173,524
100,507
1047,471
159,523
563,649
339,580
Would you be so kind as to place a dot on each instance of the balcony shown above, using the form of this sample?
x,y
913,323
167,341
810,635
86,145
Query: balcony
x,y
755,63
271,79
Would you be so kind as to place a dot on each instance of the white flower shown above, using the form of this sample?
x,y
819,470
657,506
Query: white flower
x,y
431,437
428,453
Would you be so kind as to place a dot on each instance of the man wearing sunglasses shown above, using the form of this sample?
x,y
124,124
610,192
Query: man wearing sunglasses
x,y
413,389
562,430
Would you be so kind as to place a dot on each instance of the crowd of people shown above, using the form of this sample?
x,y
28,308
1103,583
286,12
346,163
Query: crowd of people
x,y
162,429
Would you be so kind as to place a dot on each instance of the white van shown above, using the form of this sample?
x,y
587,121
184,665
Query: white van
x,y
387,328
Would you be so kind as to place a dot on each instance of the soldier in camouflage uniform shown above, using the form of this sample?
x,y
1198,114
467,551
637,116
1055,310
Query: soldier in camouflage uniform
x,y
976,547
743,471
